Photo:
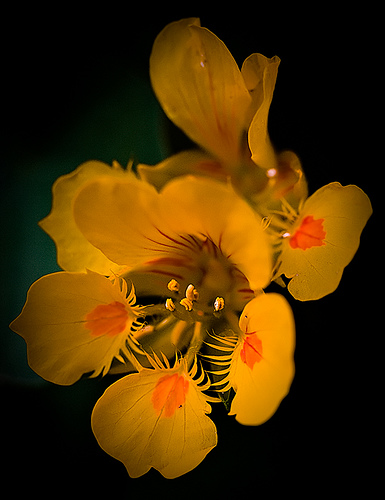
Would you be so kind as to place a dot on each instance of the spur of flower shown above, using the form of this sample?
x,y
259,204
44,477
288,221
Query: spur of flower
x,y
221,107
317,240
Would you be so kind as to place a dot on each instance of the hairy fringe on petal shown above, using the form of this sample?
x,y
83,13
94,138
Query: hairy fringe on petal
x,y
225,346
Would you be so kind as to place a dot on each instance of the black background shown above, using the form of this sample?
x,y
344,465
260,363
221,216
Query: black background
x,y
75,87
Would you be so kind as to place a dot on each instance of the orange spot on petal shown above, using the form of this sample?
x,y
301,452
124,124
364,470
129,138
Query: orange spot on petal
x,y
169,394
310,234
251,351
107,319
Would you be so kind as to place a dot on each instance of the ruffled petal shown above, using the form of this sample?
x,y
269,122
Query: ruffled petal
x,y
262,367
75,323
200,87
155,418
74,252
260,75
324,240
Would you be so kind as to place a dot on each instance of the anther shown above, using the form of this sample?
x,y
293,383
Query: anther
x,y
191,293
173,286
187,304
170,305
219,304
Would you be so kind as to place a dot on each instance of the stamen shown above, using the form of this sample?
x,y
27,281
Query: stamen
x,y
186,303
291,213
191,293
170,305
266,221
219,304
173,286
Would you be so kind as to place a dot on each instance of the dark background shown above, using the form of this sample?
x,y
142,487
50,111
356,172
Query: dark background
x,y
76,87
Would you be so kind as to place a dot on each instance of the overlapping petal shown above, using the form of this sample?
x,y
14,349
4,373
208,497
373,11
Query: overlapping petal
x,y
155,418
193,162
74,252
262,366
334,217
133,224
200,87
260,74
75,323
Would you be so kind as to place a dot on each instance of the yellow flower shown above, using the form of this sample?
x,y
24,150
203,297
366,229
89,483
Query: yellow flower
x,y
76,324
319,240
156,418
74,252
259,360
202,90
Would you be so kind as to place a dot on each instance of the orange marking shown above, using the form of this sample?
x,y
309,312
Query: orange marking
x,y
251,351
169,394
310,234
107,319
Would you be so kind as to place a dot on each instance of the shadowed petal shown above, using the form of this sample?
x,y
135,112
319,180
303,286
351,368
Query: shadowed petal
x,y
200,87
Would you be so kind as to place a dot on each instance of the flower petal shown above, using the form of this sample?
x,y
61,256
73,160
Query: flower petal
x,y
74,323
205,207
316,268
261,380
187,162
74,252
155,418
260,74
133,224
121,218
200,87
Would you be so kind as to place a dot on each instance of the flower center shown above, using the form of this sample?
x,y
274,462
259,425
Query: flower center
x,y
219,278
169,394
107,319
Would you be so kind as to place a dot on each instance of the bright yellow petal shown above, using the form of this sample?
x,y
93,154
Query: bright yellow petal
x,y
74,252
339,215
133,224
260,74
261,381
205,207
124,218
200,87
74,323
155,418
